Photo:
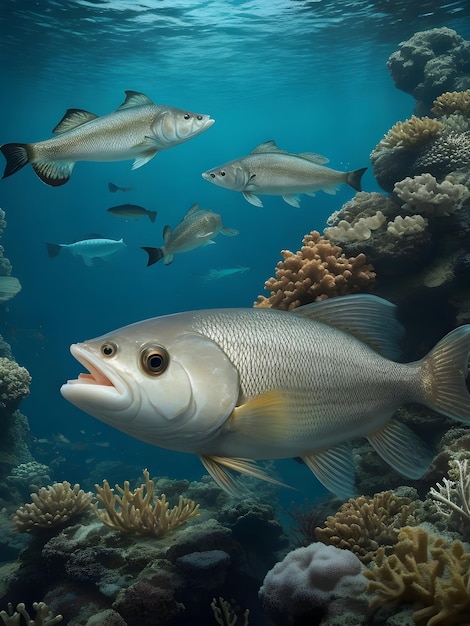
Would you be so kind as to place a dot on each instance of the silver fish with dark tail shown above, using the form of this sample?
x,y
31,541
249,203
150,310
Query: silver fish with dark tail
x,y
137,130
272,171
197,228
236,385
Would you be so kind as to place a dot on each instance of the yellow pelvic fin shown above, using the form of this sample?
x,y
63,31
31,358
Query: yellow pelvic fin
x,y
217,467
266,416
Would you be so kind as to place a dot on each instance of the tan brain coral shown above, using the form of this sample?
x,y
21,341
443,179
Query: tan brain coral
x,y
410,134
319,270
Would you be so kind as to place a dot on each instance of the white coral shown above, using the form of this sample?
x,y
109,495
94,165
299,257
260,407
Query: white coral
x,y
423,194
359,230
453,496
408,225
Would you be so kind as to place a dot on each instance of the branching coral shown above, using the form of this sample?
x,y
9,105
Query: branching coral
x,y
14,383
423,194
21,616
319,270
51,507
364,525
424,569
410,134
452,102
141,512
453,496
406,226
224,613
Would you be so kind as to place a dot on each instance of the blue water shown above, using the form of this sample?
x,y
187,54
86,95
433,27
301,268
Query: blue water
x,y
311,75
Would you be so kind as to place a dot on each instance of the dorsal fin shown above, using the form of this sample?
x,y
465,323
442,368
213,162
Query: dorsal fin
x,y
134,99
369,318
72,119
268,146
192,209
319,159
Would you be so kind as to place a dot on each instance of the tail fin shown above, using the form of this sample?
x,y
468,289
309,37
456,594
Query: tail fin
x,y
155,254
16,155
353,179
53,249
444,375
152,215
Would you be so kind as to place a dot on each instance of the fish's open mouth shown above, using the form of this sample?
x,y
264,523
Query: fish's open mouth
x,y
95,375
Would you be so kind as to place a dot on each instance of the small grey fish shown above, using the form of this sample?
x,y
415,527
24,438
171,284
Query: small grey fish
x,y
131,211
137,130
197,228
237,385
88,249
113,188
272,171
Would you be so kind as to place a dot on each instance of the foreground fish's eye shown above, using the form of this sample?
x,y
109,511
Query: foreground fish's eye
x,y
199,117
154,360
108,349
186,116
222,173
212,175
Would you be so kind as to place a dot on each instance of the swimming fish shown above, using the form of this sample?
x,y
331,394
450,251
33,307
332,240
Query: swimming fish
x,y
113,188
88,249
237,385
197,228
137,130
222,273
272,171
131,211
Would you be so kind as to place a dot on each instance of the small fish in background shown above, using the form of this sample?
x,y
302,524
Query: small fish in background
x,y
272,171
197,228
88,249
131,211
222,273
113,188
137,130
237,385
60,438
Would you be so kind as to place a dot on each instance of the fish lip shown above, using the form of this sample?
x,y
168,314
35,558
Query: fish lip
x,y
98,374
206,175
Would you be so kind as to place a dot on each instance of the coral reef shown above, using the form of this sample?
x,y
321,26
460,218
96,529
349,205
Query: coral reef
x,y
308,579
410,134
140,511
359,231
430,63
423,194
425,570
28,476
407,226
364,525
452,102
51,507
319,270
224,613
445,154
42,618
452,497
14,384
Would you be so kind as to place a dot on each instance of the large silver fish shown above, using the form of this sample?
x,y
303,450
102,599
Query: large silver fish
x,y
235,385
88,249
197,228
137,130
272,171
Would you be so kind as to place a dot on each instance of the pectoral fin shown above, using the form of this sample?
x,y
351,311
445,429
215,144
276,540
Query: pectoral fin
x,y
402,449
263,417
148,152
334,468
217,467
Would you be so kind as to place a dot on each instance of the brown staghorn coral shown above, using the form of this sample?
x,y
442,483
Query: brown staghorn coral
x,y
452,102
224,613
410,134
51,507
141,512
364,525
424,569
317,271
42,618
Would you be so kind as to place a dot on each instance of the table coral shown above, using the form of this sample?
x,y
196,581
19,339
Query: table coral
x,y
141,512
424,569
364,525
319,270
51,507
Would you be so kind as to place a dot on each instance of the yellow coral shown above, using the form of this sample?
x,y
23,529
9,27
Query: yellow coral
x,y
319,270
424,569
51,506
364,524
452,102
410,134
139,511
